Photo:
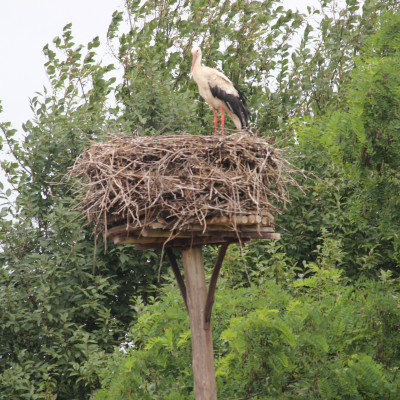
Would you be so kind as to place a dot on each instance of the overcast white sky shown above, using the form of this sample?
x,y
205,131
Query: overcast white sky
x,y
27,25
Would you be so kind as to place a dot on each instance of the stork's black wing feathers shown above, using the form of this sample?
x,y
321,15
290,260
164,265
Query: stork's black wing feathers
x,y
237,104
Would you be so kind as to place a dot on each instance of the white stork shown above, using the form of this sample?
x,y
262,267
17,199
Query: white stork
x,y
219,92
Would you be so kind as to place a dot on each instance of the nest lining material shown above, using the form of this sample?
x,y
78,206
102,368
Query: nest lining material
x,y
180,180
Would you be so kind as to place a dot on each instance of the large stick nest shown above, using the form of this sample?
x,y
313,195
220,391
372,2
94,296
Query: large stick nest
x,y
179,180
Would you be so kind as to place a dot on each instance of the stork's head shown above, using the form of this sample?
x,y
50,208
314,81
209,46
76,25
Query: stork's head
x,y
196,53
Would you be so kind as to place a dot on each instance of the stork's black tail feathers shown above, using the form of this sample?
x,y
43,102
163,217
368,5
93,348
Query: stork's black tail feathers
x,y
244,111
237,104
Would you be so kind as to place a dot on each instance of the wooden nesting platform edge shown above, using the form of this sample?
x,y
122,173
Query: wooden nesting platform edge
x,y
193,235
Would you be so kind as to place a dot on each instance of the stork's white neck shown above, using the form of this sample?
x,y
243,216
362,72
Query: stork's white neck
x,y
196,61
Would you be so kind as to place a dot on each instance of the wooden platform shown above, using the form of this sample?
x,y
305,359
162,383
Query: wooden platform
x,y
217,230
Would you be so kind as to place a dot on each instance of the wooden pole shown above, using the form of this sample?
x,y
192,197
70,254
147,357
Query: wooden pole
x,y
205,387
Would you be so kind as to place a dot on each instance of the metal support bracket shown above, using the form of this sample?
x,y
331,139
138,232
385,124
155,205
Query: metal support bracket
x,y
178,275
213,281
213,285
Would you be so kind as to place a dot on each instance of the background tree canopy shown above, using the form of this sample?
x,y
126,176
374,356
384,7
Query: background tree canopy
x,y
312,316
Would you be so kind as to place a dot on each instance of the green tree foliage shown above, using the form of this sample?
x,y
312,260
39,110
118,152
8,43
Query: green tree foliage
x,y
65,303
62,299
318,338
252,42
352,156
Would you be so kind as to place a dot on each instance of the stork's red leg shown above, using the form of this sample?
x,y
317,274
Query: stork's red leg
x,y
215,121
222,120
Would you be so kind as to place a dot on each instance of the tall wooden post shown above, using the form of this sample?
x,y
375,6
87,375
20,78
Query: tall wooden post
x,y
205,387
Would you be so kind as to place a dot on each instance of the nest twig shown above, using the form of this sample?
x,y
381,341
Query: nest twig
x,y
179,180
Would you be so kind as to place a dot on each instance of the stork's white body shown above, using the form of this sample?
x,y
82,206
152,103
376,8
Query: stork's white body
x,y
219,92
206,77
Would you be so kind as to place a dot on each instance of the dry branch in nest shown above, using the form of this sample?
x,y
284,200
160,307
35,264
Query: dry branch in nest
x,y
173,182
